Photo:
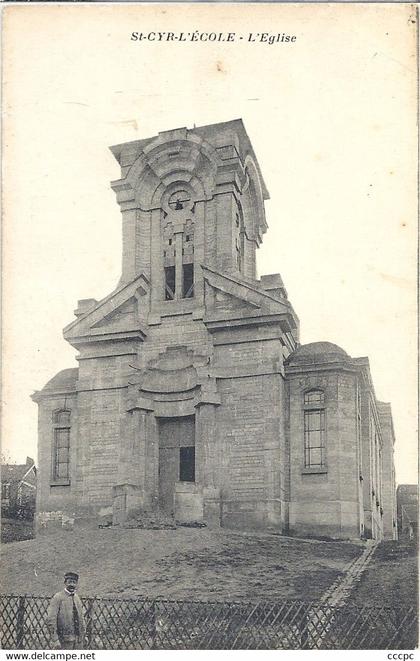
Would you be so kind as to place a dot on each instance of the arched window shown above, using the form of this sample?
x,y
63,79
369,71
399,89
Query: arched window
x,y
314,429
314,397
61,446
169,261
62,418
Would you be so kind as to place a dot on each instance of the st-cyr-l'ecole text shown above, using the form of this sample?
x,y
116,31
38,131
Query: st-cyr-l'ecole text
x,y
203,37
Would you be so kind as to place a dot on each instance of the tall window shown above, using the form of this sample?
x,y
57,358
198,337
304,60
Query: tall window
x,y
314,429
61,449
187,280
169,283
188,260
169,254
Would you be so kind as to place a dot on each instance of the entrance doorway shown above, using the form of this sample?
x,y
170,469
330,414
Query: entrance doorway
x,y
176,457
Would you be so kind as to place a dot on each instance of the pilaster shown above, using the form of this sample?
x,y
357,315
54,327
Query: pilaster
x,y
208,454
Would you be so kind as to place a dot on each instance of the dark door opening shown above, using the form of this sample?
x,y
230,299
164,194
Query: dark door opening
x,y
176,457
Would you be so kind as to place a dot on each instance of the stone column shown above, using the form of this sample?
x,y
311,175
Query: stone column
x,y
156,257
225,248
129,209
127,491
126,447
144,458
199,252
151,465
143,241
129,221
136,469
130,492
249,257
208,456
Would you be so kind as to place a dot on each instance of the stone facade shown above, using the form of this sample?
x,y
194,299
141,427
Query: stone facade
x,y
192,393
353,492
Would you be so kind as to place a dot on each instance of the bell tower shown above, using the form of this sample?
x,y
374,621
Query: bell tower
x,y
181,367
189,198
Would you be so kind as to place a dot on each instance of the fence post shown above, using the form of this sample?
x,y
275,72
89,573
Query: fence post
x,y
20,631
89,622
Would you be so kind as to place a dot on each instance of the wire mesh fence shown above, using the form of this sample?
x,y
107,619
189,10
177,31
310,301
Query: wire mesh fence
x,y
139,623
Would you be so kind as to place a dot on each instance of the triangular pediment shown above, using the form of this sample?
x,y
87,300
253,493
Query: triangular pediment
x,y
119,315
229,301
227,297
228,291
123,316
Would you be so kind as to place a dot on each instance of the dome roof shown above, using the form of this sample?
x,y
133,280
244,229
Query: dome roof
x,y
64,380
317,352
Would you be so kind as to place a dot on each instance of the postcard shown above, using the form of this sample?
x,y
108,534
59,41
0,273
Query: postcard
x,y
209,326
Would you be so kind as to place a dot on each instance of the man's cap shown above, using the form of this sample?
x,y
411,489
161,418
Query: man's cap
x,y
71,574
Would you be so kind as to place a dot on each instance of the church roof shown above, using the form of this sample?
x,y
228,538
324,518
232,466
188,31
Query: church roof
x,y
317,352
64,380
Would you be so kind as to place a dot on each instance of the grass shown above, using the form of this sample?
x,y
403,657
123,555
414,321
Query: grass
x,y
16,530
176,564
391,578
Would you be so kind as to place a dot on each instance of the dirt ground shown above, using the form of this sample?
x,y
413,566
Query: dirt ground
x,y
176,564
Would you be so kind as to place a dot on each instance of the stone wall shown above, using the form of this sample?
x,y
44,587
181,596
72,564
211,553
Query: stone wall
x,y
388,472
51,495
325,500
253,444
371,465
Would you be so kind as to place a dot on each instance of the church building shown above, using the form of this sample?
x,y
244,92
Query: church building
x,y
193,395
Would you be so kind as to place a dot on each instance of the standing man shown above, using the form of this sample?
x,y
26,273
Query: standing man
x,y
66,622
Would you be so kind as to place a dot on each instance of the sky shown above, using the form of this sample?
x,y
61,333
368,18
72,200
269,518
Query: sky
x,y
332,119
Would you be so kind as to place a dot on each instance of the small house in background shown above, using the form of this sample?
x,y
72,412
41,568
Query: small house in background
x,y
407,511
18,490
